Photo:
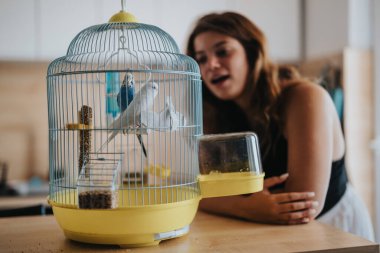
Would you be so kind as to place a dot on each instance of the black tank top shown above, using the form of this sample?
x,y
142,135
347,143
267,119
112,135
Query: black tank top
x,y
275,164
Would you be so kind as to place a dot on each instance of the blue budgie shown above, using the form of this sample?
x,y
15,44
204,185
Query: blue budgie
x,y
131,115
127,92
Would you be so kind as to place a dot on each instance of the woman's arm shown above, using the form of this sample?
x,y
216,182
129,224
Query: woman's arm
x,y
309,130
265,207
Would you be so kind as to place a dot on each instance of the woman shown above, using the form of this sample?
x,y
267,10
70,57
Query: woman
x,y
301,141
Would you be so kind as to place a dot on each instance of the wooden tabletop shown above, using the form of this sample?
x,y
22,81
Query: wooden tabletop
x,y
208,233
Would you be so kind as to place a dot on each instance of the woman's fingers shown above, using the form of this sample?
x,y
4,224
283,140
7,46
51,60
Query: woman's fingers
x,y
293,196
296,222
299,215
272,181
299,205
295,207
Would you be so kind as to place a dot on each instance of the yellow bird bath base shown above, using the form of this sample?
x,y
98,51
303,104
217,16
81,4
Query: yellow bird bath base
x,y
135,226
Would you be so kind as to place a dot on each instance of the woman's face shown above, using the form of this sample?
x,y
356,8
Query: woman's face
x,y
223,64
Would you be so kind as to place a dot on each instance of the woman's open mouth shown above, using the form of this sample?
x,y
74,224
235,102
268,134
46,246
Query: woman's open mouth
x,y
219,80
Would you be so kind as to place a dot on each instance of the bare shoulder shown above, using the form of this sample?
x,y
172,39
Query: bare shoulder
x,y
303,91
302,97
305,102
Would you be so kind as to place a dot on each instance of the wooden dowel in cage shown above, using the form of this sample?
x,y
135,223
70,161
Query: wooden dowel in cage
x,y
85,118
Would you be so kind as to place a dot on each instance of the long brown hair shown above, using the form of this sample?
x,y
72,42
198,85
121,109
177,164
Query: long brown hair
x,y
263,80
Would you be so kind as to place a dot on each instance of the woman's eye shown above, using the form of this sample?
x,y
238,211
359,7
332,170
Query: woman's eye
x,y
222,53
201,60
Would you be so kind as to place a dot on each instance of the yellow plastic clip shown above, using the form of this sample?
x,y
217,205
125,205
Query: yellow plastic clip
x,y
78,126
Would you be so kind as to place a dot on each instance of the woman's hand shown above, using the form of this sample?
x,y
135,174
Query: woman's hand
x,y
279,208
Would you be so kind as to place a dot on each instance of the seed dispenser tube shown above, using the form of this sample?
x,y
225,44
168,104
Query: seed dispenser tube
x,y
85,119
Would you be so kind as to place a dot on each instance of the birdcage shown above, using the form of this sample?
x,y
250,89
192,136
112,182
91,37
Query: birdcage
x,y
125,120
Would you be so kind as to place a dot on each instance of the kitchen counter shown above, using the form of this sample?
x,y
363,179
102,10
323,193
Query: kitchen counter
x,y
208,233
22,201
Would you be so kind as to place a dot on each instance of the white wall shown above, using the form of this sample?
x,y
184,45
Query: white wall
x,y
333,25
326,28
376,146
280,21
360,24
43,29
17,27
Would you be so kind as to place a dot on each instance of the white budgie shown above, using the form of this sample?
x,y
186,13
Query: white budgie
x,y
166,120
141,102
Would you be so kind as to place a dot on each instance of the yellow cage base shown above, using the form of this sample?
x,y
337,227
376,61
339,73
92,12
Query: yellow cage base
x,y
125,241
135,226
